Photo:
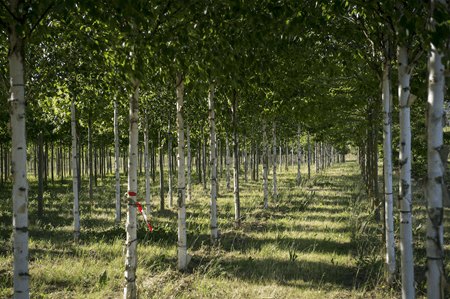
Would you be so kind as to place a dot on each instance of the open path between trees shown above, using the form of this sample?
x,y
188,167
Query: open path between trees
x,y
319,240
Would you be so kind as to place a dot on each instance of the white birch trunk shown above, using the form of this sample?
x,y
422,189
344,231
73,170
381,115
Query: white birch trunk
x,y
16,105
406,238
212,164
117,160
228,161
188,162
299,156
437,158
181,203
146,166
245,159
131,243
309,159
169,163
237,202
76,207
265,164
275,197
387,153
280,158
292,157
203,157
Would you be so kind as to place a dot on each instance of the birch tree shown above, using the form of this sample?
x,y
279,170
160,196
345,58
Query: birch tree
x,y
387,156
146,166
213,167
76,208
299,156
275,196
265,163
435,189
237,203
131,241
189,161
117,161
181,203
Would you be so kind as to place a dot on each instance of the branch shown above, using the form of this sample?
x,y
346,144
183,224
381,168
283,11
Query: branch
x,y
10,12
40,19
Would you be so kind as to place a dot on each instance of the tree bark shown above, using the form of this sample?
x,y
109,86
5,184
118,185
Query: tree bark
x,y
16,104
117,161
228,161
309,160
40,177
237,203
146,167
183,259
265,164
76,207
131,242
212,163
203,156
245,159
387,153
161,172
299,156
406,238
189,161
169,161
435,189
275,195
91,178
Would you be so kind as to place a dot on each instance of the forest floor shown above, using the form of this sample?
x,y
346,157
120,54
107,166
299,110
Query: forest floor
x,y
319,240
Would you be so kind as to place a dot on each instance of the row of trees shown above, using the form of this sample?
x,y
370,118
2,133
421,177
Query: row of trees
x,y
261,63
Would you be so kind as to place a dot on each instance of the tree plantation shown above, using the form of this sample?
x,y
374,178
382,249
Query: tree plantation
x,y
224,149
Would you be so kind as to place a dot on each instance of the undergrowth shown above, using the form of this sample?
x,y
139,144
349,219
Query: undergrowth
x,y
318,239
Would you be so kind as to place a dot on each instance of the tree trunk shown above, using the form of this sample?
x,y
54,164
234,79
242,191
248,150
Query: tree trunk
x,y
146,167
309,160
198,161
275,195
212,163
95,164
245,159
131,243
265,164
203,159
51,164
237,203
228,161
257,161
169,161
299,156
286,152
387,153
161,172
406,238
16,103
91,178
46,165
76,207
189,168
183,259
435,191
40,177
117,160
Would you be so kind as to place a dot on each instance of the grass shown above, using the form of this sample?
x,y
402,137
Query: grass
x,y
318,240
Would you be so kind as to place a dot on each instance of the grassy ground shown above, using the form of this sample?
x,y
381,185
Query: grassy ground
x,y
319,240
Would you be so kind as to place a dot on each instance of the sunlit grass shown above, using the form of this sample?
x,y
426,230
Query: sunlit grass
x,y
318,240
